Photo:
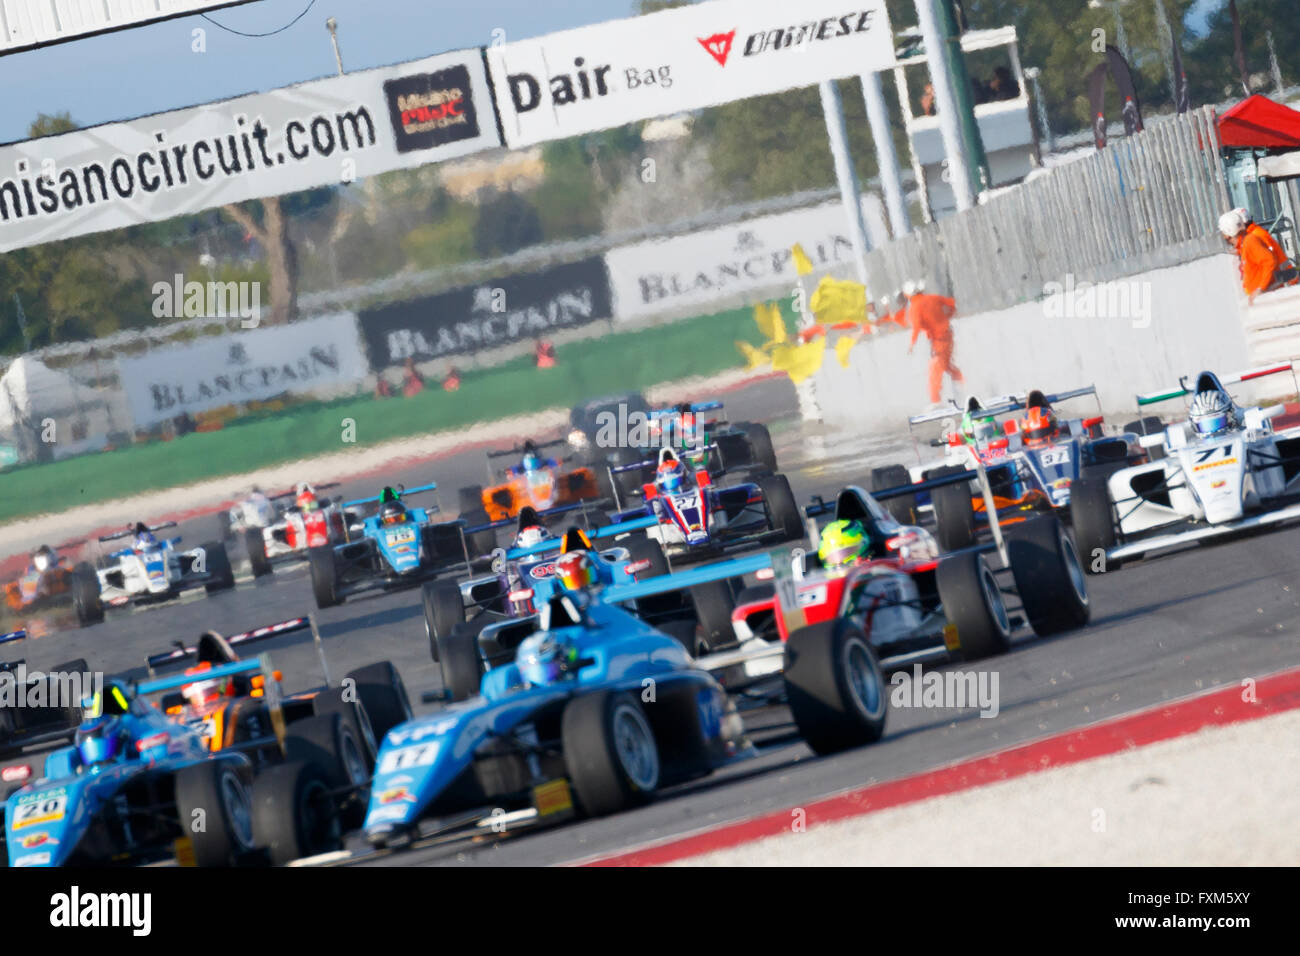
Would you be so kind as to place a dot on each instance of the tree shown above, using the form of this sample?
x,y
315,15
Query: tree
x,y
271,230
506,223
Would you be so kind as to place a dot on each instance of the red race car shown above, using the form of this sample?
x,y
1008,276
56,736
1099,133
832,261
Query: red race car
x,y
310,522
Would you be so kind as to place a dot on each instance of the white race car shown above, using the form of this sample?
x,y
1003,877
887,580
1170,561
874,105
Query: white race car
x,y
1225,470
156,570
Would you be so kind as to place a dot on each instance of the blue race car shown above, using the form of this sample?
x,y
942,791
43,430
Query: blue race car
x,y
127,790
599,710
696,518
399,547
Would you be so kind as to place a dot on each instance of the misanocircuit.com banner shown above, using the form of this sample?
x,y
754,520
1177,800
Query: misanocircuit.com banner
x,y
247,366
605,75
264,144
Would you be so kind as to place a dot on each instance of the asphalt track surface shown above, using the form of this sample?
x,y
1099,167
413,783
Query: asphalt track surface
x,y
1161,629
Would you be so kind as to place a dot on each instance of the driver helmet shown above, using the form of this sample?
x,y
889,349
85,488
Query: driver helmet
x,y
1040,425
842,543
306,497
1211,413
392,512
576,570
544,658
144,538
201,693
532,462
44,558
670,476
978,430
102,734
531,535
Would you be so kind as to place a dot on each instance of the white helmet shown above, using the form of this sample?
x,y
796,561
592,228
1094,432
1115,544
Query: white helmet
x,y
1211,413
1232,222
533,534
909,288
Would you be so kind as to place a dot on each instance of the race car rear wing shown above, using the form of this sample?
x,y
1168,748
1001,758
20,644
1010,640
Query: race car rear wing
x,y
12,636
127,532
681,580
1005,404
1236,378
182,654
400,491
162,684
521,449
552,544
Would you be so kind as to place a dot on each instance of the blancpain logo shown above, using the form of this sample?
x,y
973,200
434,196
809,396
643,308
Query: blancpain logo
x,y
76,909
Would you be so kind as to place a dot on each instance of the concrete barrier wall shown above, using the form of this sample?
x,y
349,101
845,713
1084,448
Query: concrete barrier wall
x,y
1180,320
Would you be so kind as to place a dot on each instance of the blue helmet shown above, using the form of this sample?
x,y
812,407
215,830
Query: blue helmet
x,y
532,462
102,735
671,476
543,658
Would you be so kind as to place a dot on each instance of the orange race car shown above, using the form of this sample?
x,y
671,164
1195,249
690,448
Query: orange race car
x,y
537,481
49,583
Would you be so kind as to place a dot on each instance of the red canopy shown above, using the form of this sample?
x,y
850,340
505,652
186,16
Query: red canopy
x,y
1259,123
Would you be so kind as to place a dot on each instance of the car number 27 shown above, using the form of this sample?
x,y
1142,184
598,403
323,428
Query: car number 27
x,y
419,755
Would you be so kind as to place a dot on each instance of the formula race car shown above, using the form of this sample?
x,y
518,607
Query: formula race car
x,y
307,522
398,547
536,481
154,570
1032,460
562,728
50,584
476,624
325,734
696,518
891,585
1225,470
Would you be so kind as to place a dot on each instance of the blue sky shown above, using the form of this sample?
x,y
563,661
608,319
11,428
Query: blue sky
x,y
150,69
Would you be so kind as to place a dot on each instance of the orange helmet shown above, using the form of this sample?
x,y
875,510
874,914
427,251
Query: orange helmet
x,y
202,692
576,570
306,499
1040,426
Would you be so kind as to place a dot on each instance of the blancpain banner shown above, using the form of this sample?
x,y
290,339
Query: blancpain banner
x,y
266,144
753,256
243,367
686,58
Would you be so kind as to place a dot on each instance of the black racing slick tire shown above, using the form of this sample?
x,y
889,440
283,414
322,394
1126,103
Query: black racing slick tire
x,y
762,453
444,608
460,662
714,601
469,498
835,687
903,508
330,742
480,543
954,514
1049,575
255,544
294,812
783,514
383,695
85,594
324,576
215,792
1093,517
219,569
972,602
610,752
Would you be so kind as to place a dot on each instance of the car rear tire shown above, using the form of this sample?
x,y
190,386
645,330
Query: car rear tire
x,y
345,702
219,569
324,576
610,752
641,548
903,508
294,814
954,514
1049,575
383,695
1093,517
761,450
972,602
85,594
460,661
469,498
713,602
444,608
255,543
481,543
782,512
835,687
331,743
219,790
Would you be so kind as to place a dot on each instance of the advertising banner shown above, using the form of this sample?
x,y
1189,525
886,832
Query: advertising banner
x,y
494,313
314,134
700,268
605,75
242,367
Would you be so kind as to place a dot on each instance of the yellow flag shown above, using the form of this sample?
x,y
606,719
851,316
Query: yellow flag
x,y
839,300
767,316
842,347
753,357
802,264
799,361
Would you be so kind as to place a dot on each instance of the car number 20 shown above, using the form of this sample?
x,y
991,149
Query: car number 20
x,y
419,755
45,810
